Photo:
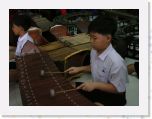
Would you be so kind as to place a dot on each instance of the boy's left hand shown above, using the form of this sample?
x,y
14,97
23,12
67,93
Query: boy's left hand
x,y
87,86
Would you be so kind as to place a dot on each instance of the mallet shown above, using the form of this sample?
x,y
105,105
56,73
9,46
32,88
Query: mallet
x,y
42,72
53,93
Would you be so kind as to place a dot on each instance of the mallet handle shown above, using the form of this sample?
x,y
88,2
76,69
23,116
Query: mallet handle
x,y
66,90
55,72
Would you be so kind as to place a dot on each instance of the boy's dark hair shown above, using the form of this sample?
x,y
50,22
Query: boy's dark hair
x,y
103,25
23,21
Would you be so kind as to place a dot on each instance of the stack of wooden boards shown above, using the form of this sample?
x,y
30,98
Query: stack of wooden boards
x,y
42,23
67,45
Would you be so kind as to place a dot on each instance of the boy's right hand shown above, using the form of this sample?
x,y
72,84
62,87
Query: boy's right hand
x,y
73,70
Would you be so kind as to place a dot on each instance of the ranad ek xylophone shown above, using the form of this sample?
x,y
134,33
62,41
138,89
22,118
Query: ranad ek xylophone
x,y
41,83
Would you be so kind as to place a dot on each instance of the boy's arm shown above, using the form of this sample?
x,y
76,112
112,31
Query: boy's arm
x,y
85,68
90,86
75,70
12,52
108,87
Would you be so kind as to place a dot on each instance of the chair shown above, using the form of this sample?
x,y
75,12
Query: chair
x,y
76,59
59,31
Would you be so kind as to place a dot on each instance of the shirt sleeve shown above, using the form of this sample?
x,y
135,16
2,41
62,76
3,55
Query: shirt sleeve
x,y
118,77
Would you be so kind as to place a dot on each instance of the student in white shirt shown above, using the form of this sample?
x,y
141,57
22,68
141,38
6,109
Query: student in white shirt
x,y
20,25
25,44
108,68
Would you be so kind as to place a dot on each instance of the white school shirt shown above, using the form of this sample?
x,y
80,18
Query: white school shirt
x,y
109,67
21,42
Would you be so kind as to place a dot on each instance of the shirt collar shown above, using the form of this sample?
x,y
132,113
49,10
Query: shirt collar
x,y
103,55
22,38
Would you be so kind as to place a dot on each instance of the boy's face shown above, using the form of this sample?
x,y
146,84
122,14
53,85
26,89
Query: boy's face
x,y
99,42
16,29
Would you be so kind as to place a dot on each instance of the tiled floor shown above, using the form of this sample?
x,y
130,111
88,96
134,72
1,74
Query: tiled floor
x,y
14,94
132,93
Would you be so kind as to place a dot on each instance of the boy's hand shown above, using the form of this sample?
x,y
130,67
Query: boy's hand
x,y
87,86
73,70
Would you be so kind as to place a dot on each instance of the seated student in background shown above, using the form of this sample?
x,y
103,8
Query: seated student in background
x,y
108,68
20,25
36,35
133,68
25,44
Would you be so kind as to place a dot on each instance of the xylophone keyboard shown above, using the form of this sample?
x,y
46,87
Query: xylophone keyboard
x,y
36,89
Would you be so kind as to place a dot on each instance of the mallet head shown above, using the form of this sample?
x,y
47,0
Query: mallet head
x,y
42,73
52,92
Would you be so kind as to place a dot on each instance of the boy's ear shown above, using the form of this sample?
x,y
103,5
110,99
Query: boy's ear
x,y
21,27
109,37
